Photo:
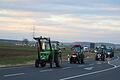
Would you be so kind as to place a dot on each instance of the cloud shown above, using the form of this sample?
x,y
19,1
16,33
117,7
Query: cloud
x,y
14,28
64,23
25,21
13,0
61,19
18,13
43,29
102,23
66,6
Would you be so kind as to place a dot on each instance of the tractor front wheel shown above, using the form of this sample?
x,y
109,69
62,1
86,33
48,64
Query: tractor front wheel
x,y
103,58
96,58
71,61
43,64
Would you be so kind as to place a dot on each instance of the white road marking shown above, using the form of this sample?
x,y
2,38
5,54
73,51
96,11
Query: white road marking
x,y
91,73
111,64
113,60
91,64
19,67
86,74
10,68
89,68
81,65
66,68
17,74
46,70
99,63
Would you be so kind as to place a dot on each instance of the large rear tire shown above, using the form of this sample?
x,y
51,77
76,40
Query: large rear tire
x,y
51,62
36,63
57,59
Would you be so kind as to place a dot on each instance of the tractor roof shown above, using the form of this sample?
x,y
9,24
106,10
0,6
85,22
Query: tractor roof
x,y
76,45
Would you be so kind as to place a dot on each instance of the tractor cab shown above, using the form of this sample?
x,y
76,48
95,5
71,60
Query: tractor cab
x,y
109,53
77,49
48,52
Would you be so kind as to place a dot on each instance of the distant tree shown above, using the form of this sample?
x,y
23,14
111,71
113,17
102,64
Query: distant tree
x,y
25,41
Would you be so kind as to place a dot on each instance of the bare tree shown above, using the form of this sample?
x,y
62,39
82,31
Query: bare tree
x,y
25,41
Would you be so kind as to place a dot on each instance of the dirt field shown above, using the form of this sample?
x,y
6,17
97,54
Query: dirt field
x,y
12,55
14,52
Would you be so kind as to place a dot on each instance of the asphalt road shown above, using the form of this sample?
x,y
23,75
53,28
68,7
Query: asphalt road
x,y
91,70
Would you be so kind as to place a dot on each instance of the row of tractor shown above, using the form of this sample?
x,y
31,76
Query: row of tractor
x,y
101,53
50,52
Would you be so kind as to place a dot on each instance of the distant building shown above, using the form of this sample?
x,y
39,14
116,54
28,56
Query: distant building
x,y
92,45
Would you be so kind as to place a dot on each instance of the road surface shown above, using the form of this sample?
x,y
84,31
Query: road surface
x,y
91,70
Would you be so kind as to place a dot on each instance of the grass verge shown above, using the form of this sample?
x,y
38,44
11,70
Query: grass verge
x,y
18,60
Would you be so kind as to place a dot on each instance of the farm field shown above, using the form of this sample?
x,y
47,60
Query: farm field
x,y
12,55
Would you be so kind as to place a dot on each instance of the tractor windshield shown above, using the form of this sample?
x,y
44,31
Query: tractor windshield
x,y
77,49
46,46
109,50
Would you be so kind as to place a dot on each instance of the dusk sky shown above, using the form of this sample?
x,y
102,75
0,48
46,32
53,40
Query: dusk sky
x,y
63,20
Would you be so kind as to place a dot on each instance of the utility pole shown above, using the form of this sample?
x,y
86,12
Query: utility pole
x,y
33,31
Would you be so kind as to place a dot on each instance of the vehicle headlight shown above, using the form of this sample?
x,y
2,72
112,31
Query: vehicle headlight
x,y
95,51
108,53
74,56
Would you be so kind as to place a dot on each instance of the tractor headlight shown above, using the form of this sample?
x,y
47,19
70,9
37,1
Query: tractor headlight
x,y
95,51
74,56
108,53
43,58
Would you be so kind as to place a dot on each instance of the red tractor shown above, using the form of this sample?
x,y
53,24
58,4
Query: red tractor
x,y
77,55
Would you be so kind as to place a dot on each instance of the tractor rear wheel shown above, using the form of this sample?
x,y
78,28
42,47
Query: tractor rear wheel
x,y
36,63
57,63
51,64
57,59
51,61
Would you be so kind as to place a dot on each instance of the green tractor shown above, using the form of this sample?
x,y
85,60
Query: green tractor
x,y
48,52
